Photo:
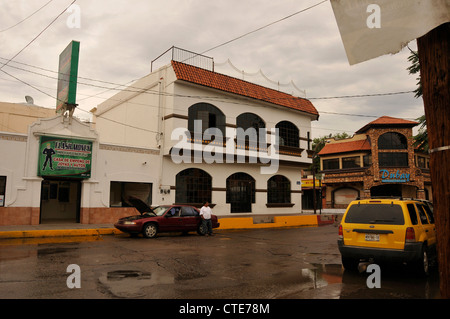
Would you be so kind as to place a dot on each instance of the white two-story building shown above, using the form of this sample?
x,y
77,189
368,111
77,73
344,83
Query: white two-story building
x,y
241,167
182,134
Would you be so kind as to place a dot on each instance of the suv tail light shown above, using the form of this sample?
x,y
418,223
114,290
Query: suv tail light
x,y
410,235
341,232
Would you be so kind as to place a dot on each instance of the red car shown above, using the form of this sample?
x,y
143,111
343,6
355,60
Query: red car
x,y
170,218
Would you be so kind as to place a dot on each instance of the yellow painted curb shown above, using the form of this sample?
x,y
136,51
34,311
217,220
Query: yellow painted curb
x,y
225,223
278,221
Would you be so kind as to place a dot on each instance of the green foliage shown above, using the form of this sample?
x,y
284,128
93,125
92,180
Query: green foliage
x,y
414,68
421,139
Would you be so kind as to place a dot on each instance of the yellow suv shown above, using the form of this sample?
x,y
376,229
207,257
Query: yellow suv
x,y
392,230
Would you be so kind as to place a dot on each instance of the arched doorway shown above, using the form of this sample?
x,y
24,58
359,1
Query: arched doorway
x,y
240,192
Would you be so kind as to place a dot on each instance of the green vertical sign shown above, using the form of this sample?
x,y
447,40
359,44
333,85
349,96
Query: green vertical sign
x,y
67,75
64,157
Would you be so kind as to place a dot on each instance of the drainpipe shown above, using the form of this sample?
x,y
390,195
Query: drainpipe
x,y
160,135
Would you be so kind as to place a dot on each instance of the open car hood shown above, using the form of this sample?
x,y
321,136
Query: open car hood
x,y
140,205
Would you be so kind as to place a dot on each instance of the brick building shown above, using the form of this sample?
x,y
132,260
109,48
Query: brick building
x,y
379,160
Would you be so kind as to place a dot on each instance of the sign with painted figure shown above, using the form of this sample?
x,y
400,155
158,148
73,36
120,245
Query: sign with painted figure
x,y
371,28
393,177
67,76
64,157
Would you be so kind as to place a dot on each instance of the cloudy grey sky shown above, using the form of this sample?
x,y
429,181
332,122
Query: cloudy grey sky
x,y
119,39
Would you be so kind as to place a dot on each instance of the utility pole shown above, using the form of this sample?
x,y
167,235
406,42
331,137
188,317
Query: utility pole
x,y
434,48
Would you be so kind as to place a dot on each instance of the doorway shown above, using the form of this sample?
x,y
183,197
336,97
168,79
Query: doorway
x,y
60,201
240,192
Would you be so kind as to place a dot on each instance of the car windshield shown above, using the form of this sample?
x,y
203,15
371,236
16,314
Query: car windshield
x,y
375,214
160,210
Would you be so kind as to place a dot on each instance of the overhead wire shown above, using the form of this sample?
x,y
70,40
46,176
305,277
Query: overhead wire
x,y
140,90
134,89
38,35
181,109
263,27
209,98
26,18
51,96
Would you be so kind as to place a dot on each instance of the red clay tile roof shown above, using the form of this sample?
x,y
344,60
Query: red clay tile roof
x,y
387,121
345,147
229,84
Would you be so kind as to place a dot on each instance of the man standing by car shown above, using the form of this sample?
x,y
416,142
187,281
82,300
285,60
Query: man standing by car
x,y
205,213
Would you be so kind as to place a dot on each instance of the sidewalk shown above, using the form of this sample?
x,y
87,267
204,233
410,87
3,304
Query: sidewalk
x,y
248,222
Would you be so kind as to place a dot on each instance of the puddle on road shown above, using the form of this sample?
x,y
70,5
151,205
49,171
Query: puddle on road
x,y
323,274
130,283
332,281
318,281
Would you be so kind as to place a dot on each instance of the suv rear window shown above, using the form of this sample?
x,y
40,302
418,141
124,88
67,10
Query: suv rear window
x,y
422,214
429,213
375,214
412,214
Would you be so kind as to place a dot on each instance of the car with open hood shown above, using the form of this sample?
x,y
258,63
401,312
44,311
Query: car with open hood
x,y
164,218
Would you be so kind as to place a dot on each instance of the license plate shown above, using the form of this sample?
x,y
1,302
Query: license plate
x,y
372,237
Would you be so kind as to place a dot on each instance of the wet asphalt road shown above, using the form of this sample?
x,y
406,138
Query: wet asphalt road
x,y
294,263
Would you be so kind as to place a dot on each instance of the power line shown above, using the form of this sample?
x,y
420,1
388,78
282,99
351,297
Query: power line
x,y
140,90
148,105
28,84
58,73
133,89
263,27
358,95
23,20
105,118
38,35
215,47
210,98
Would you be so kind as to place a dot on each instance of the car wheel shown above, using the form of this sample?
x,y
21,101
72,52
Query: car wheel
x,y
422,265
150,230
201,230
350,263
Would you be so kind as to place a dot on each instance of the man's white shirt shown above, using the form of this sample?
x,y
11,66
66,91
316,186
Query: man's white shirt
x,y
206,212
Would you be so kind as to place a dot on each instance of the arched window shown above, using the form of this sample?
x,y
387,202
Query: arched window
x,y
193,186
288,134
278,190
210,116
392,141
251,124
240,192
